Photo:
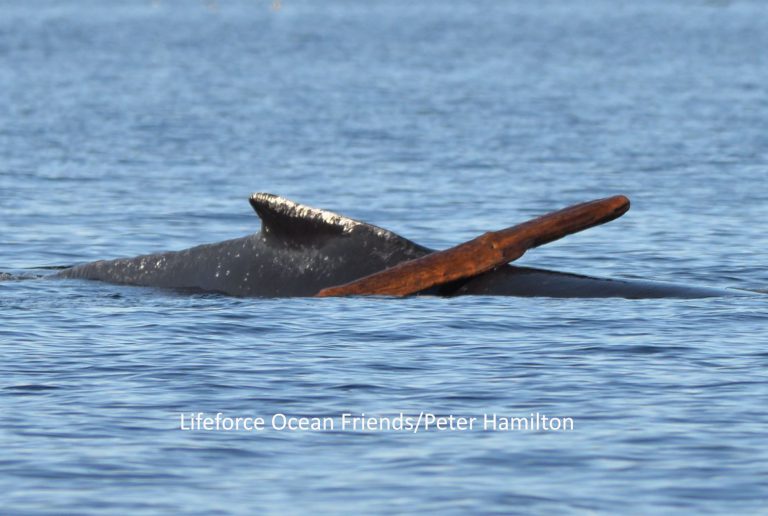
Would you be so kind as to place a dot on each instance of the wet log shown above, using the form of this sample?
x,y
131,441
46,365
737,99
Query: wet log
x,y
483,253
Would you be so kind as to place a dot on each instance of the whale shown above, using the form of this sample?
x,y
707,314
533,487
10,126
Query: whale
x,y
301,250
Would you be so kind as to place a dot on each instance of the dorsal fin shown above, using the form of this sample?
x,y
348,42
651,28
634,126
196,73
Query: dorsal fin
x,y
293,222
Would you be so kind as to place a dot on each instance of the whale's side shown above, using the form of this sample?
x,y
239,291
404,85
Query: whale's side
x,y
531,282
302,250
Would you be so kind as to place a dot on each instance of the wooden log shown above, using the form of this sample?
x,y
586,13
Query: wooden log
x,y
483,253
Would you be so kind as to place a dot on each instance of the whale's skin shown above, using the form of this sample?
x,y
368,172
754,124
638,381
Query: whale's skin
x,y
302,250
299,251
531,282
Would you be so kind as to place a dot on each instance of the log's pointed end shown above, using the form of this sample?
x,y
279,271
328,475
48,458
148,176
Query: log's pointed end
x,y
620,203
609,207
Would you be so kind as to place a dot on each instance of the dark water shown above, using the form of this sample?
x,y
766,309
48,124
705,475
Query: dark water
x,y
131,127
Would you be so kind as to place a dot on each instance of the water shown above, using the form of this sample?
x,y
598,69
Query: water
x,y
134,127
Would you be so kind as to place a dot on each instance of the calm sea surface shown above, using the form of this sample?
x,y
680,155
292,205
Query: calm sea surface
x,y
137,126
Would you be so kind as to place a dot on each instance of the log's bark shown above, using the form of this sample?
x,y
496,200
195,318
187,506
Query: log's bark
x,y
483,253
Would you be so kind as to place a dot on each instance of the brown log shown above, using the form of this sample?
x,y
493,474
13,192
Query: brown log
x,y
483,253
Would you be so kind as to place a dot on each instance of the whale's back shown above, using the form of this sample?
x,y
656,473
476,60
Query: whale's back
x,y
299,251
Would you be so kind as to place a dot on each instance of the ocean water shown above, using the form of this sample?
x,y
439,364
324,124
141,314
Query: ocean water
x,y
133,127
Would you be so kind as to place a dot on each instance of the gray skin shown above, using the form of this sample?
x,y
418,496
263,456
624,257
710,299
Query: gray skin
x,y
301,250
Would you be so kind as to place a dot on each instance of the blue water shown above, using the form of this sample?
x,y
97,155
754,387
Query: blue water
x,y
133,127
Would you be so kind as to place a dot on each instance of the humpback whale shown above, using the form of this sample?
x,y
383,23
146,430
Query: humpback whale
x,y
301,251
